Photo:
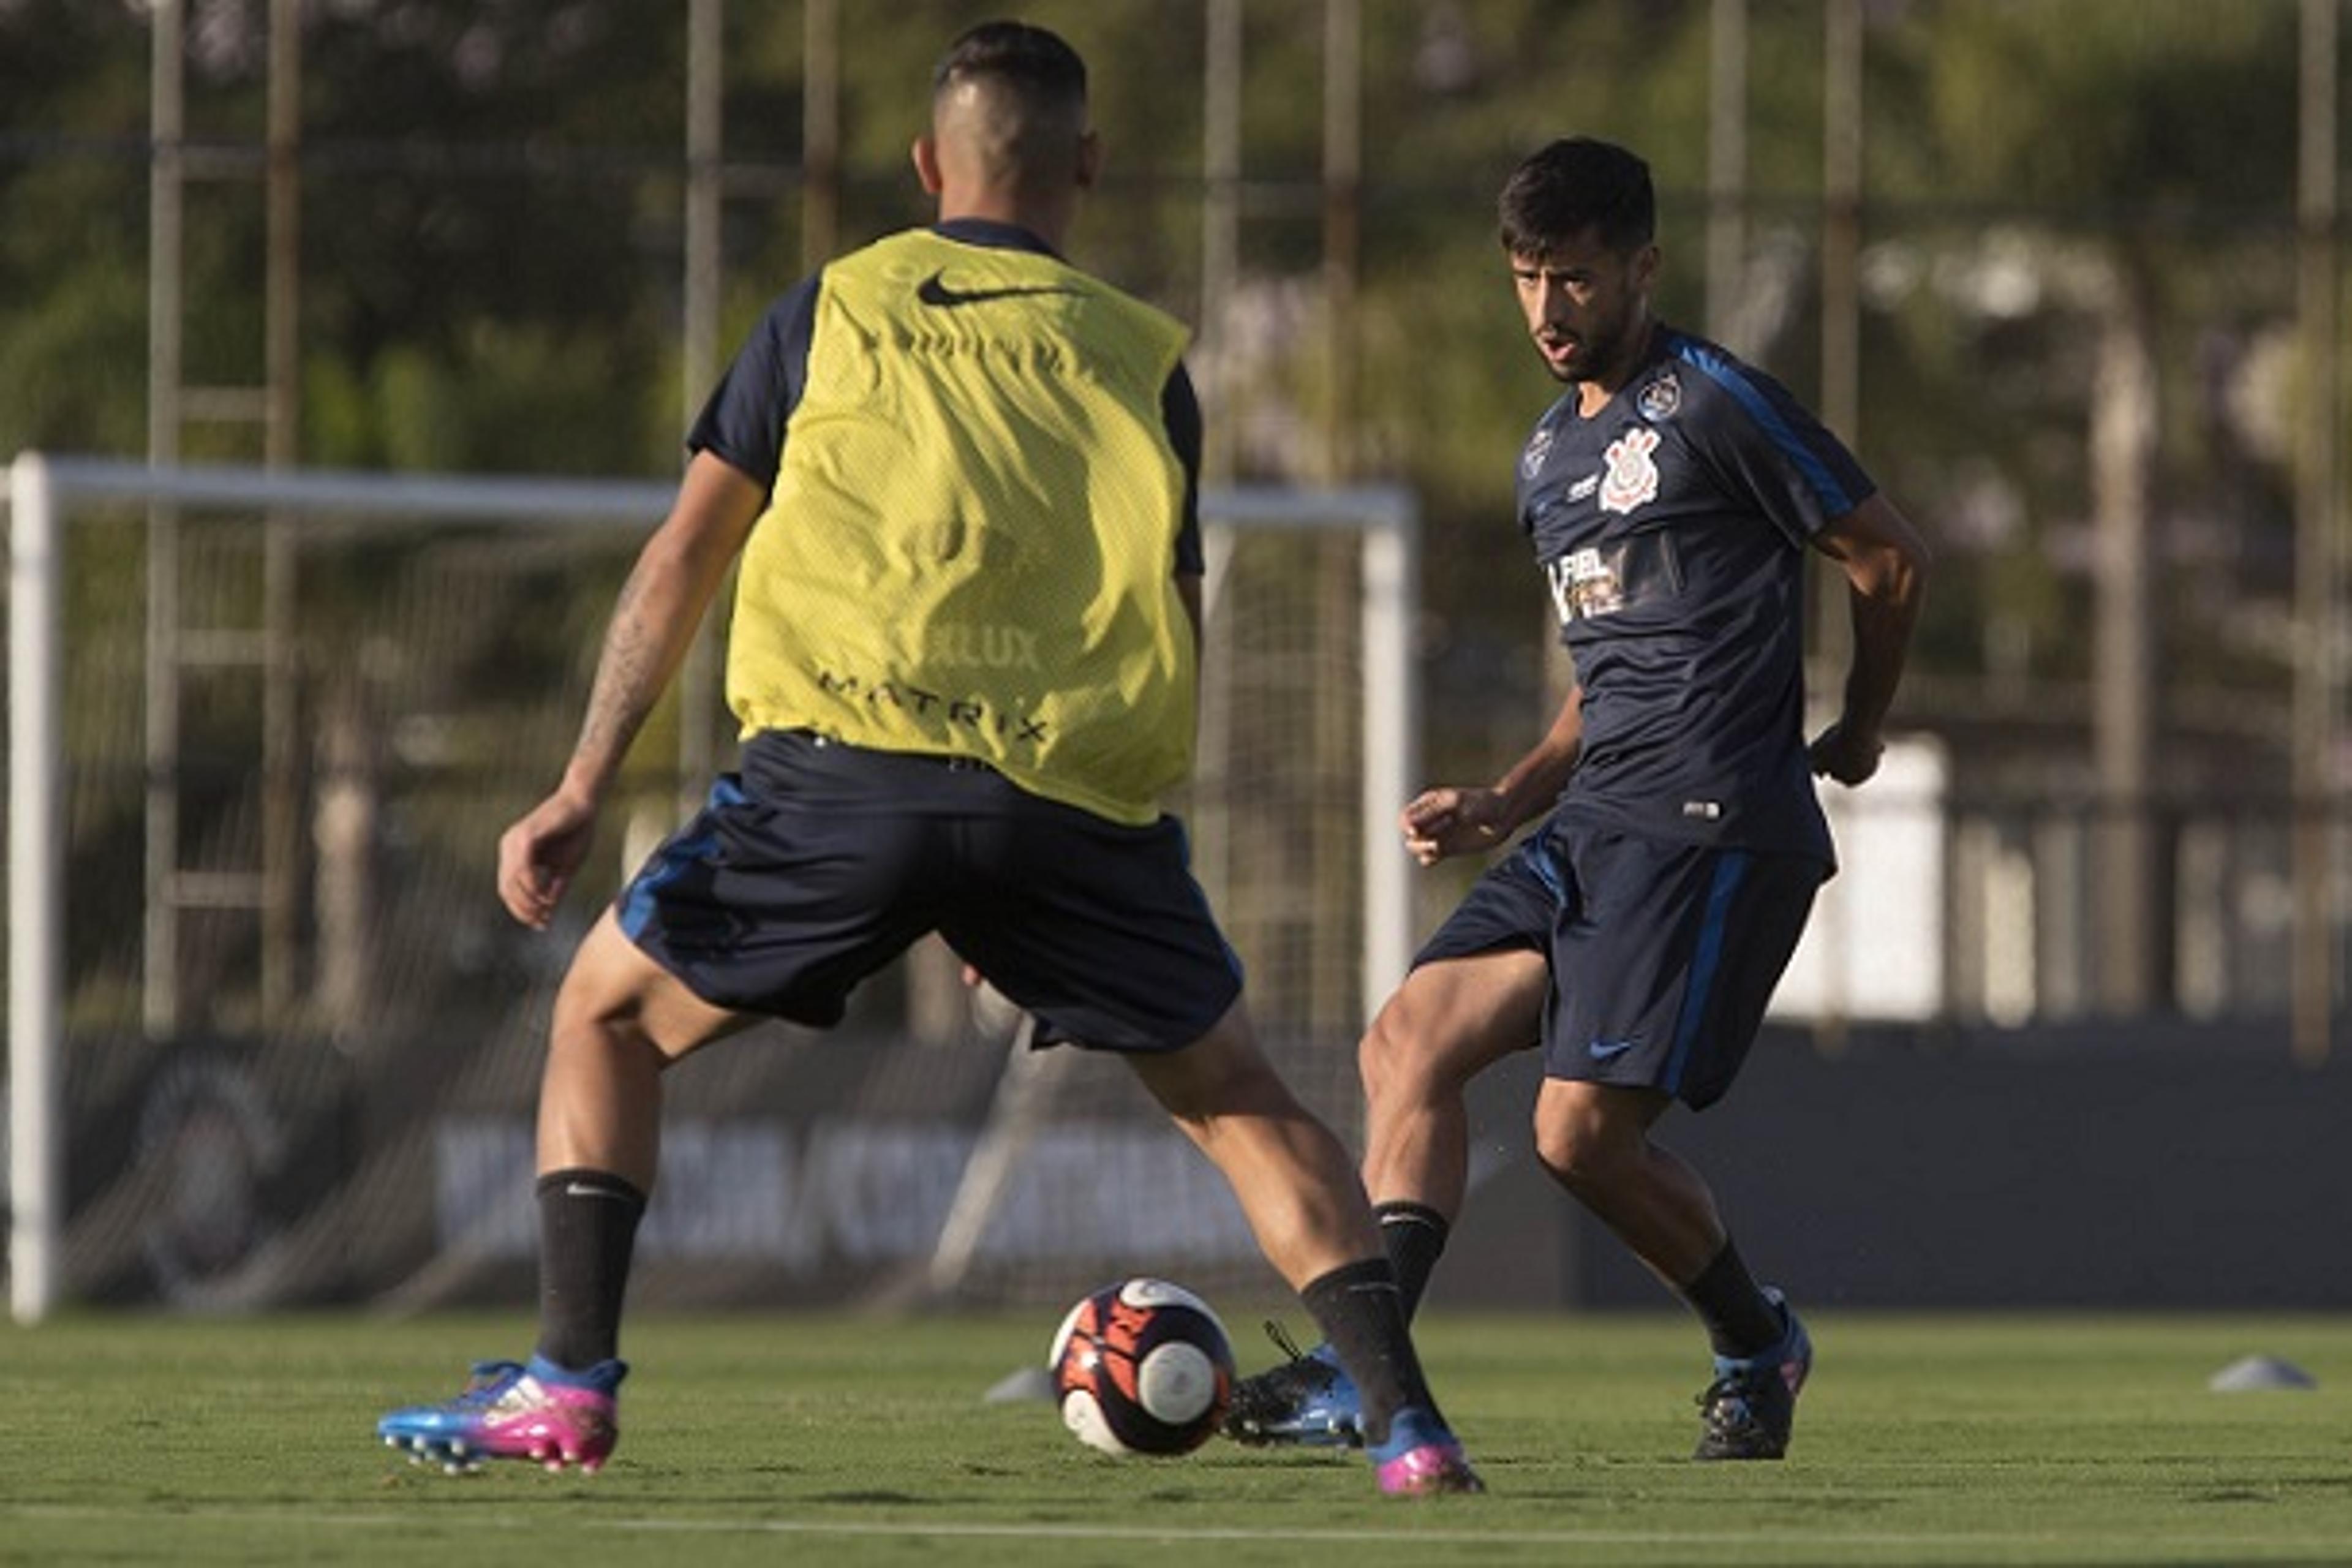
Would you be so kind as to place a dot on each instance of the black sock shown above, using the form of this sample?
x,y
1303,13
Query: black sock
x,y
1740,1322
1414,1235
1357,1307
587,1228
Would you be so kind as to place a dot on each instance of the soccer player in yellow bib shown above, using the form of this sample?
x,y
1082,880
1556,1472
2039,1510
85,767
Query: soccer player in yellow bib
x,y
961,474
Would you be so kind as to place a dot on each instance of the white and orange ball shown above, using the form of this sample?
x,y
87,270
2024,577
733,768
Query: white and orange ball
x,y
1142,1367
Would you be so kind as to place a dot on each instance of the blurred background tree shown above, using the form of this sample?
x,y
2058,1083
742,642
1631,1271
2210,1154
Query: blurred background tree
x,y
492,230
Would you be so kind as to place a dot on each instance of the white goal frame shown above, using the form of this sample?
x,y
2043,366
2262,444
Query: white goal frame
x,y
43,490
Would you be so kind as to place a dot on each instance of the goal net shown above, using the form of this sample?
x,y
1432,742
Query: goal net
x,y
272,1040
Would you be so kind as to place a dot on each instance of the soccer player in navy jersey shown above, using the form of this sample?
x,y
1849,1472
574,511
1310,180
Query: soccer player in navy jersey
x,y
961,476
1671,495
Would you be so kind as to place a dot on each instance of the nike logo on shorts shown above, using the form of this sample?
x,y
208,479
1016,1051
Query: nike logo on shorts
x,y
1608,1050
934,291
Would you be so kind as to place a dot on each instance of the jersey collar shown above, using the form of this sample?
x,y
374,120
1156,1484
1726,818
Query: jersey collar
x,y
990,232
1654,352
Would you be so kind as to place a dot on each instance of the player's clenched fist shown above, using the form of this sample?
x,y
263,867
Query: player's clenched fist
x,y
1844,756
1450,821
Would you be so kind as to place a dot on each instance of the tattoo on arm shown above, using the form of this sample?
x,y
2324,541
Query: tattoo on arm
x,y
657,612
629,680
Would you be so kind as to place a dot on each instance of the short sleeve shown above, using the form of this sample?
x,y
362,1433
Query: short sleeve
x,y
743,423
1179,410
1767,449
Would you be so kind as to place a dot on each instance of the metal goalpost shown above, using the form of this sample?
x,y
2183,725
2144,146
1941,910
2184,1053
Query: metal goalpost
x,y
44,492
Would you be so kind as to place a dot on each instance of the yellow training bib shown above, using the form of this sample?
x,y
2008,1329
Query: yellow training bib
x,y
970,550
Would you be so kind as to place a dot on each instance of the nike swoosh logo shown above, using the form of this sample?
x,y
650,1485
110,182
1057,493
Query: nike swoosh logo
x,y
1608,1050
934,291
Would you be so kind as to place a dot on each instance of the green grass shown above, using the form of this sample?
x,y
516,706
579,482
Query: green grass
x,y
829,1441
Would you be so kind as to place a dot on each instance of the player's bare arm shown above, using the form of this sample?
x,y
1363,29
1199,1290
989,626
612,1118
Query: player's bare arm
x,y
677,574
1886,564
1456,820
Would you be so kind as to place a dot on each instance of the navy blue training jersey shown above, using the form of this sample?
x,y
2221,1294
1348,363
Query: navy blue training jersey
x,y
1673,529
743,423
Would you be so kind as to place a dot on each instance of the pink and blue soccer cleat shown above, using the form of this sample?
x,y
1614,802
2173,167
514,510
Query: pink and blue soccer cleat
x,y
1422,1458
1309,1401
543,1413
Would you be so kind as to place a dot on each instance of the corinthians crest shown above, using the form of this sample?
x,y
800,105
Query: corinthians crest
x,y
1632,477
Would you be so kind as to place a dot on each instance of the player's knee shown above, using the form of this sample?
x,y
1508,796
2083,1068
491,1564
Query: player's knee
x,y
1249,1090
596,1014
1381,1059
1224,1075
616,999
1400,1060
581,1029
1585,1155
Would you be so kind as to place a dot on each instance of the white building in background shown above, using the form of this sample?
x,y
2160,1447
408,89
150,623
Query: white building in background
x,y
1873,950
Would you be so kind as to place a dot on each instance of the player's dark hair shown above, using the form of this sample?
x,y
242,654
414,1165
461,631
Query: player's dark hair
x,y
1046,71
1576,184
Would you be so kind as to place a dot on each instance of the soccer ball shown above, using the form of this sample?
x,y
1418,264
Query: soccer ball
x,y
1142,1367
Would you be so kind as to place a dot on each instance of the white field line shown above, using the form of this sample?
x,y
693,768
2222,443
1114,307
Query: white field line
x,y
1409,1534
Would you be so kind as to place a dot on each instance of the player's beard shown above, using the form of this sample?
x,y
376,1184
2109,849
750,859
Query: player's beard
x,y
1599,352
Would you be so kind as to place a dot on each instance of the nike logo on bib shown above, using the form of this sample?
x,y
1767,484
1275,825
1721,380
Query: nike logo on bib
x,y
934,291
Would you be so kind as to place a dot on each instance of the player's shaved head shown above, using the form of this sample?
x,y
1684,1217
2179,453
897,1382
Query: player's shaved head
x,y
1009,106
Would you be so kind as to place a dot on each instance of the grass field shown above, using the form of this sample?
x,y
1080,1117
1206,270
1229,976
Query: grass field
x,y
830,1440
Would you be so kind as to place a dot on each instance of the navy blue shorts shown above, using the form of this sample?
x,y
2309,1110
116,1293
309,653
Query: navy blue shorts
x,y
819,863
1663,954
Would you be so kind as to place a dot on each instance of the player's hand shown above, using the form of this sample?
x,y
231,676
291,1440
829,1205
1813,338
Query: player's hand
x,y
1446,821
1847,757
540,854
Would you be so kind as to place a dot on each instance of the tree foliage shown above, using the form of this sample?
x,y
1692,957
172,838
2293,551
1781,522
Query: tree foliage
x,y
492,237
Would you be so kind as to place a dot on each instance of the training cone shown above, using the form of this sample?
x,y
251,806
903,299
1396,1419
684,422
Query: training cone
x,y
2256,1374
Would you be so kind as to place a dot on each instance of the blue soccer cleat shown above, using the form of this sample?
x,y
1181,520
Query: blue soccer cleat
x,y
548,1415
1750,1406
1308,1401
